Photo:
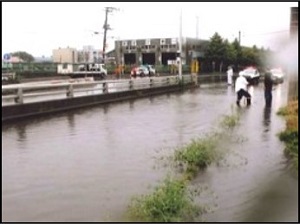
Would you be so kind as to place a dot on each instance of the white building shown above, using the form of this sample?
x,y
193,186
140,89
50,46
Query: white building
x,y
65,55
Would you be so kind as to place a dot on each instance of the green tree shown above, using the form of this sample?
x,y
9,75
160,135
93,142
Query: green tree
x,y
215,51
238,49
26,57
230,55
248,57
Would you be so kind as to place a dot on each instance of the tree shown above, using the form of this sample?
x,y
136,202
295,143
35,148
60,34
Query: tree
x,y
26,57
238,49
216,50
221,53
230,56
248,57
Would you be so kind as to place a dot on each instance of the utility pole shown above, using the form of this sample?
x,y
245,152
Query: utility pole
x,y
180,48
240,38
197,27
106,27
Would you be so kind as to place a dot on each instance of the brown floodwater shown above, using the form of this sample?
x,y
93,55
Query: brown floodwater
x,y
86,164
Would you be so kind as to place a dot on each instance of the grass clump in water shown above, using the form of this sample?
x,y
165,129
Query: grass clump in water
x,y
196,155
290,135
170,202
230,121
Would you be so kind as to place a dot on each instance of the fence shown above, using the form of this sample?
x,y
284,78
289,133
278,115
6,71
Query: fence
x,y
61,89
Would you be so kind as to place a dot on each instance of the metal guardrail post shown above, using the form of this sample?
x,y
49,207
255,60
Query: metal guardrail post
x,y
151,83
105,87
70,92
194,78
130,84
19,98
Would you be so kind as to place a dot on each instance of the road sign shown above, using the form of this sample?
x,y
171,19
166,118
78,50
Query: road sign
x,y
6,56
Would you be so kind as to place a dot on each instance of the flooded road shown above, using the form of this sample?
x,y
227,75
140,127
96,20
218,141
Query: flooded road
x,y
85,165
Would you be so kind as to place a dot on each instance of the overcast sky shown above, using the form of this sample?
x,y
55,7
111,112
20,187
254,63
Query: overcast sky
x,y
38,28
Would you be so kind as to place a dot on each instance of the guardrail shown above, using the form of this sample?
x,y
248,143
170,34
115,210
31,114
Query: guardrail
x,y
22,93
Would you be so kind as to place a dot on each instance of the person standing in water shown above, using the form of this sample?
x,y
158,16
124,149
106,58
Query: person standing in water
x,y
241,84
268,82
229,75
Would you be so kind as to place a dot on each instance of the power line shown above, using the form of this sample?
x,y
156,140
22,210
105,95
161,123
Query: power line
x,y
267,33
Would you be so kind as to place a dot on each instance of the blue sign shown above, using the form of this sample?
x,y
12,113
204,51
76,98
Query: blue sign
x,y
6,56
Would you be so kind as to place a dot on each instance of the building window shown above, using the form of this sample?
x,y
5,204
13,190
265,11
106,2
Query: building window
x,y
124,43
162,41
65,65
147,42
133,43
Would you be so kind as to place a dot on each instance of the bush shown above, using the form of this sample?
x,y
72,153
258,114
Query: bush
x,y
230,121
198,154
290,135
170,202
291,140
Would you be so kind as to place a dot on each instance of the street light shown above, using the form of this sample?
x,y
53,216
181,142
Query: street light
x,y
101,33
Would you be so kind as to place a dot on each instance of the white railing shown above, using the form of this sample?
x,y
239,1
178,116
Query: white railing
x,y
33,92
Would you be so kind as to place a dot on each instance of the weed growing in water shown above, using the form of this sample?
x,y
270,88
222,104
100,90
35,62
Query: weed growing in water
x,y
195,155
230,121
290,135
173,200
170,202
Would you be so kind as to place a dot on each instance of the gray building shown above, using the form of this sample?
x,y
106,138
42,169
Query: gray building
x,y
158,51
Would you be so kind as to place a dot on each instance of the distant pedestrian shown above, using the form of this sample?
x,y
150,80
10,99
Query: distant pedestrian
x,y
229,75
268,82
241,85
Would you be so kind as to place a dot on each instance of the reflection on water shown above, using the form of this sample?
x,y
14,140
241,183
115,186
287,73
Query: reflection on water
x,y
21,130
85,165
71,122
267,118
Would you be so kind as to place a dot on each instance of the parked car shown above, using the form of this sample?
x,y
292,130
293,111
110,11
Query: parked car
x,y
277,75
151,69
252,75
143,70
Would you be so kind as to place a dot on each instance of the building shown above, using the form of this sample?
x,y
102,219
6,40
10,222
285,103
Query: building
x,y
158,51
89,55
43,59
65,55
